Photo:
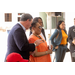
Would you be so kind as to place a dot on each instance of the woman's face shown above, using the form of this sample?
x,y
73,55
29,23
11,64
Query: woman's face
x,y
62,25
40,22
37,29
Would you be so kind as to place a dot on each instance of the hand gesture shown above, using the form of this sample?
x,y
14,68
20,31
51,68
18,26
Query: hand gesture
x,y
37,42
56,47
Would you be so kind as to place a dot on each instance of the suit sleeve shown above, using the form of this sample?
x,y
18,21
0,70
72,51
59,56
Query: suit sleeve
x,y
53,36
21,41
70,37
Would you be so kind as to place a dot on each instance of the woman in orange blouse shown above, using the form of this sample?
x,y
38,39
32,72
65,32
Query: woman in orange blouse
x,y
42,53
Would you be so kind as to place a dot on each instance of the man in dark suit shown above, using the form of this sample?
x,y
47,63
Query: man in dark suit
x,y
17,40
71,39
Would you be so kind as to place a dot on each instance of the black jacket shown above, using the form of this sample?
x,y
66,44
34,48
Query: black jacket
x,y
17,42
71,35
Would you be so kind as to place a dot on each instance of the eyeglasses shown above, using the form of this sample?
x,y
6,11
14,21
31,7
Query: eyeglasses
x,y
40,27
40,22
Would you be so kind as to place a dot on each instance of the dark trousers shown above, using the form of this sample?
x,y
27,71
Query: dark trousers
x,y
72,58
60,53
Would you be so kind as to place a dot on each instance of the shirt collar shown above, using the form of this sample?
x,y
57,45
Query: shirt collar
x,y
22,26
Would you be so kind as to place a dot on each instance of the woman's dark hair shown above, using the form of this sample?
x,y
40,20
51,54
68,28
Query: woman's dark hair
x,y
59,24
36,19
33,24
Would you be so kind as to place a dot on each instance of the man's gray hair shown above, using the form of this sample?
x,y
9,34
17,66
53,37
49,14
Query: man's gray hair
x,y
25,17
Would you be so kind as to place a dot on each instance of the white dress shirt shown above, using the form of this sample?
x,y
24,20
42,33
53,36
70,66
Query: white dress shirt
x,y
22,26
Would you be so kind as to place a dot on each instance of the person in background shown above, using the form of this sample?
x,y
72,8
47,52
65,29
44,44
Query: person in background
x,y
17,39
59,41
71,39
42,52
39,20
15,57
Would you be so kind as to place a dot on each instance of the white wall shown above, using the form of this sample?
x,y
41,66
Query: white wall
x,y
14,18
8,24
34,14
4,35
69,16
69,19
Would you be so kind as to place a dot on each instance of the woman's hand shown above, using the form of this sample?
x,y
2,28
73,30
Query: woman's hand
x,y
51,47
49,51
56,47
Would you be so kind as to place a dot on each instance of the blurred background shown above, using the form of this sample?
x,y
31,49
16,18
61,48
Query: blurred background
x,y
50,20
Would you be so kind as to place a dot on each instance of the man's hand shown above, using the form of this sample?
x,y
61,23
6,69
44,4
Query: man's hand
x,y
37,42
73,42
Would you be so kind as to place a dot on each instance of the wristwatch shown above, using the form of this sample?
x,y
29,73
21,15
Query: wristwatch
x,y
35,44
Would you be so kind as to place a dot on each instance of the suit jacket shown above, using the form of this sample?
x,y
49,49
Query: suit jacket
x,y
71,35
17,42
56,41
43,32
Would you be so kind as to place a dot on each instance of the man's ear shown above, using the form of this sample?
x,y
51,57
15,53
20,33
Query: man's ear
x,y
27,19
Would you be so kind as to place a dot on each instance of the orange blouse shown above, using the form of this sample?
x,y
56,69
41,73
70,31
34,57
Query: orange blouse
x,y
64,37
41,48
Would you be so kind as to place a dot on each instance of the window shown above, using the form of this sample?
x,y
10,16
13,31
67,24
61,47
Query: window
x,y
19,19
55,20
19,16
20,13
8,17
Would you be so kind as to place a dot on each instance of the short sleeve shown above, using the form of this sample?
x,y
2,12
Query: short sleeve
x,y
31,40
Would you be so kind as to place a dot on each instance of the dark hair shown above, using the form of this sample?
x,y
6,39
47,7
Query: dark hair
x,y
36,19
33,24
24,17
59,24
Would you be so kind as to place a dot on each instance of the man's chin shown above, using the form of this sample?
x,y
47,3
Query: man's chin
x,y
27,28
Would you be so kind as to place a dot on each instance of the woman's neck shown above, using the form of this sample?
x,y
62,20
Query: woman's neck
x,y
38,36
35,34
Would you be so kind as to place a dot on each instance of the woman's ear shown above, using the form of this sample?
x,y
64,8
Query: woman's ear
x,y
33,29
